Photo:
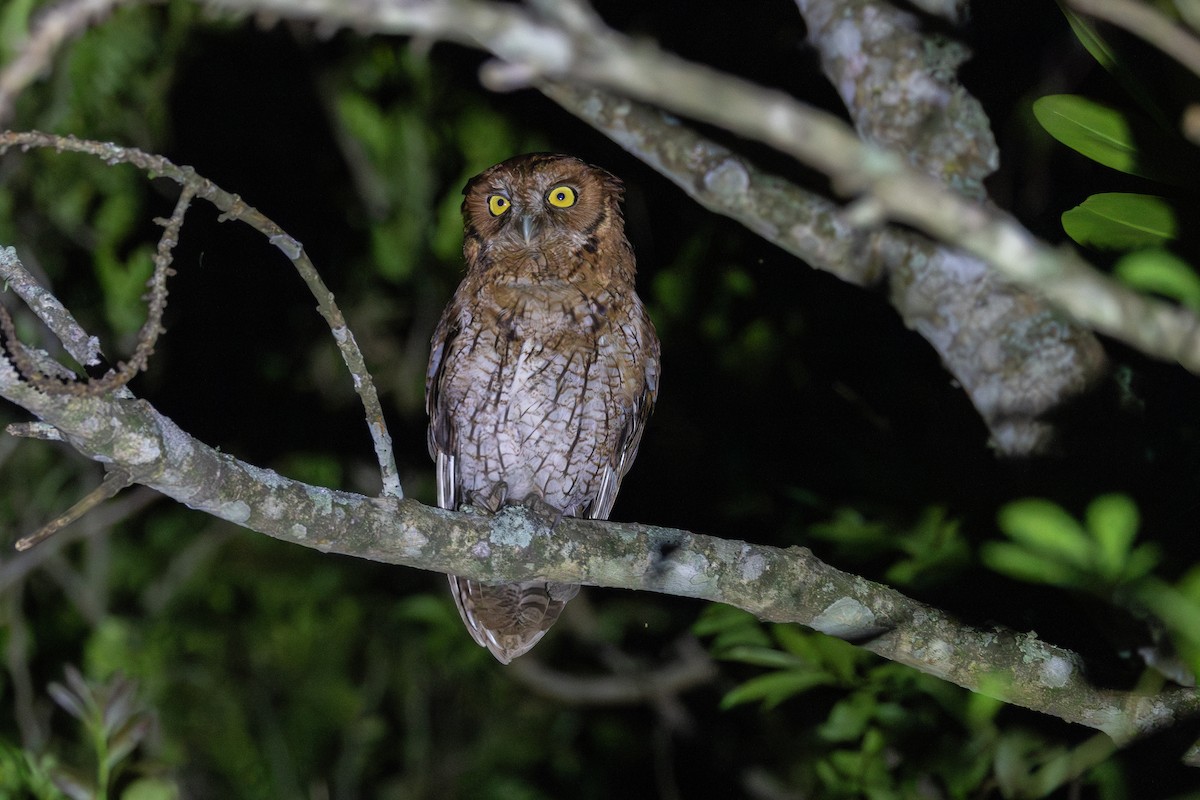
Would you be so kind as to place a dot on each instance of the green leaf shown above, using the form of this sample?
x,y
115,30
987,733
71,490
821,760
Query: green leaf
x,y
1116,60
151,789
1121,221
773,689
848,719
1113,521
761,657
719,617
1091,40
1179,610
798,641
68,700
1122,140
14,27
1044,527
1101,133
1143,559
1017,562
1162,273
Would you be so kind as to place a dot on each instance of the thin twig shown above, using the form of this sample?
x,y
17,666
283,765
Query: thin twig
x,y
83,348
117,479
157,300
232,207
147,335
17,568
693,668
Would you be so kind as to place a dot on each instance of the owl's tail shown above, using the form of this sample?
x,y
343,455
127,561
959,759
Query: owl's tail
x,y
509,618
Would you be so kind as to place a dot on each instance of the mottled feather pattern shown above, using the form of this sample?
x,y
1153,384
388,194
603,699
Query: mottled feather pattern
x,y
543,369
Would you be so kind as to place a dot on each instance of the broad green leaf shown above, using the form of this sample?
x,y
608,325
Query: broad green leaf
x,y
151,789
1189,584
1123,140
1162,273
1101,133
1139,563
839,657
1115,59
719,617
1092,41
1121,221
848,719
1044,527
1113,521
762,657
797,641
1017,562
776,687
1179,611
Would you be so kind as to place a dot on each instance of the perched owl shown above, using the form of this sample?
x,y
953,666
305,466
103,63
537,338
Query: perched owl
x,y
542,371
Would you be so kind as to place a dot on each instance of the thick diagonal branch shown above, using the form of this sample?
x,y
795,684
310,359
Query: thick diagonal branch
x,y
573,45
780,585
1016,357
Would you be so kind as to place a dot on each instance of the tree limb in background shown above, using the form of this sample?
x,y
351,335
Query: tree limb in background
x,y
536,47
1015,357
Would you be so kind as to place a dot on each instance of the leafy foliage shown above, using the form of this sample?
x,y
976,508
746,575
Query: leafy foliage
x,y
1049,546
888,731
1137,143
932,548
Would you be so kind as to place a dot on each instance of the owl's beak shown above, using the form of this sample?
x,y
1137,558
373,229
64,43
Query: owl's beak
x,y
529,227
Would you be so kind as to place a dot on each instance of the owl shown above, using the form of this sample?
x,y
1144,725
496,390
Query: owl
x,y
542,371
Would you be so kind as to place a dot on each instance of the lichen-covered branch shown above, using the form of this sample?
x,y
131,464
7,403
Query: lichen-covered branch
x,y
566,47
775,584
900,88
1016,357
572,44
801,222
81,347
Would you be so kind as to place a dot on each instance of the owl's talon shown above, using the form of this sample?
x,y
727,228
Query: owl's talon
x,y
543,512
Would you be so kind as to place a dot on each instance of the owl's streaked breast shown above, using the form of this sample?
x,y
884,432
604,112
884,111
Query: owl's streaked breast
x,y
539,386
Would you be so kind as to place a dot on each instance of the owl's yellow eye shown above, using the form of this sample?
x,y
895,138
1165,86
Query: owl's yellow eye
x,y
498,204
561,197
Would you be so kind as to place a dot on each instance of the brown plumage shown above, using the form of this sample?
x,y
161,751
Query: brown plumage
x,y
543,369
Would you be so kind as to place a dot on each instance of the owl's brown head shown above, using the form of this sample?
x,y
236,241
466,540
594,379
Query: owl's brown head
x,y
544,202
